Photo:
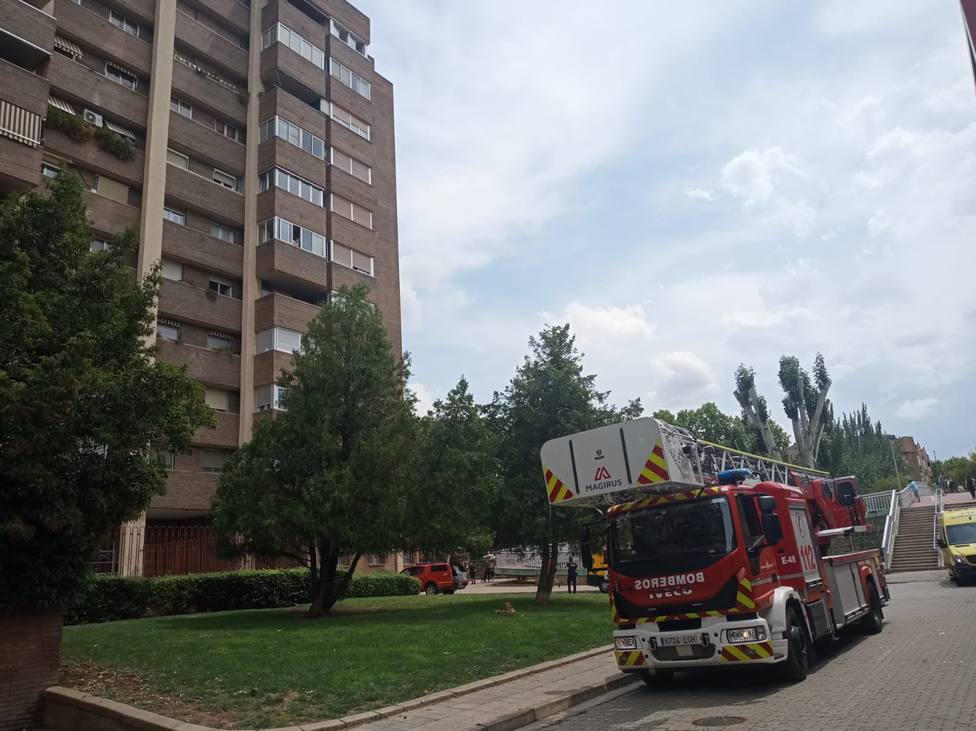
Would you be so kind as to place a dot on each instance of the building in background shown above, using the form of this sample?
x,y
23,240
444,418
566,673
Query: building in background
x,y
250,146
969,25
916,459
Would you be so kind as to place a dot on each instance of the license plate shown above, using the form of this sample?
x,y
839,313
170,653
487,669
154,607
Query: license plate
x,y
679,640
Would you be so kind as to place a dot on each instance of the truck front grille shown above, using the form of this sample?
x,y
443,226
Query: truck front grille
x,y
698,652
678,625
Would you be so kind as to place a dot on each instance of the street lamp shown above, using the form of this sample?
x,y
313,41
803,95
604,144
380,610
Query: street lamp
x,y
891,443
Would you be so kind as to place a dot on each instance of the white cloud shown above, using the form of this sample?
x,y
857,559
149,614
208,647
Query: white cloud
x,y
701,194
768,182
683,379
916,409
425,398
608,323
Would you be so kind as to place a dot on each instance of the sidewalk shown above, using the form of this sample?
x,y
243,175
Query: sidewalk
x,y
513,704
514,586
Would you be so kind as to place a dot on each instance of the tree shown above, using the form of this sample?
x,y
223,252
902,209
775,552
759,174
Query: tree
x,y
708,422
957,469
456,471
549,396
329,476
804,404
856,445
84,407
754,410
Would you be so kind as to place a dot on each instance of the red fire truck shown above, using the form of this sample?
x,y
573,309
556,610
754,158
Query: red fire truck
x,y
715,556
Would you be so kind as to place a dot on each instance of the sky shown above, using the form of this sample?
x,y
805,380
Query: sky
x,y
691,186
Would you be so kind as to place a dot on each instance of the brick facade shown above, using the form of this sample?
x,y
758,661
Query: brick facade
x,y
30,646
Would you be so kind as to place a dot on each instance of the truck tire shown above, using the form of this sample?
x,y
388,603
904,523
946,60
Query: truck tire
x,y
431,588
657,678
874,621
797,661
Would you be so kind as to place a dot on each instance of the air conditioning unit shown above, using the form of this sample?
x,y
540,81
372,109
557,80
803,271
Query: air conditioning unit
x,y
92,117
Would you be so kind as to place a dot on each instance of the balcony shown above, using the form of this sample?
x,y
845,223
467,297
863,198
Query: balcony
x,y
349,100
350,58
277,58
269,366
213,367
186,491
277,202
198,247
141,10
88,88
208,144
204,307
109,217
206,92
289,268
21,166
234,12
341,276
23,88
215,47
27,34
223,435
202,194
278,153
89,155
277,101
111,41
278,310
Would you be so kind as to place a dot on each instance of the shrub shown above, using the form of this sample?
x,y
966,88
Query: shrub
x,y
75,128
115,144
107,598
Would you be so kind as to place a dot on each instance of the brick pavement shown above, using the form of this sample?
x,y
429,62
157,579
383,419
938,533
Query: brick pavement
x,y
919,673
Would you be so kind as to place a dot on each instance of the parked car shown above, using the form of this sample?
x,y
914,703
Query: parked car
x,y
436,578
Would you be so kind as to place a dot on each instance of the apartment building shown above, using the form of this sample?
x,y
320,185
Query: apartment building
x,y
916,459
250,146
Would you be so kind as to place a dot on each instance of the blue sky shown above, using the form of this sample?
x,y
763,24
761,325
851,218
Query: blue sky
x,y
691,185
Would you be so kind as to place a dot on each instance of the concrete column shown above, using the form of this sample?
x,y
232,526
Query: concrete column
x,y
251,284
132,534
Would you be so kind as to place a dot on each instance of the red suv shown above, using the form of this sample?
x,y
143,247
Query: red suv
x,y
435,578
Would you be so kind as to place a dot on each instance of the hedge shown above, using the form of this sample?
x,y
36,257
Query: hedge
x,y
106,598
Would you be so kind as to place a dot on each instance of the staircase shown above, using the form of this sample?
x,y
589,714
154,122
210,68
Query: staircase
x,y
913,543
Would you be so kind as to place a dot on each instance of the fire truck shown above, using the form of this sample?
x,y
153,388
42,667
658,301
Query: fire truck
x,y
716,557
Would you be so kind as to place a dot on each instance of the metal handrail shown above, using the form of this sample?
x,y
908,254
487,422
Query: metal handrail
x,y
890,529
939,505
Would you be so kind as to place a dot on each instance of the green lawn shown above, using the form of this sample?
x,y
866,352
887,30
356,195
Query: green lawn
x,y
275,667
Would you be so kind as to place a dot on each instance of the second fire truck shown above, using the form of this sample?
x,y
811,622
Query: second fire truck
x,y
716,557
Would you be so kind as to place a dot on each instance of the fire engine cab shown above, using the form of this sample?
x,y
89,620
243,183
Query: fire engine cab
x,y
716,557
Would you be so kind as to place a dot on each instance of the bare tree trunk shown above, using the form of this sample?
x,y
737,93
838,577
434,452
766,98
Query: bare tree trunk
x,y
547,573
816,423
764,432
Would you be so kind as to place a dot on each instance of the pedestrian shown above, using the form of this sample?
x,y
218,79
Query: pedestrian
x,y
472,572
571,568
914,488
971,486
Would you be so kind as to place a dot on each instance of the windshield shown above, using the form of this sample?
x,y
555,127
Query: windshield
x,y
961,534
675,537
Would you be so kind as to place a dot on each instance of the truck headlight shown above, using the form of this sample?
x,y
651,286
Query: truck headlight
x,y
748,634
959,559
628,642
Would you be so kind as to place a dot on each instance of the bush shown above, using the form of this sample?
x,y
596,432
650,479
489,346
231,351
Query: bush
x,y
107,598
115,144
75,128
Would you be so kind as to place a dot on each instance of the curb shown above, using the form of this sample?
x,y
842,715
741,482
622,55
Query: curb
x,y
531,715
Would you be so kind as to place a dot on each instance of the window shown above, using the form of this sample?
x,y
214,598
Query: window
x,y
177,158
295,135
181,107
50,171
223,233
168,329
121,76
167,458
171,270
100,245
124,23
279,33
229,130
221,286
354,42
281,230
352,166
221,400
112,189
351,79
348,121
278,338
353,259
211,460
225,179
268,397
352,211
217,340
293,184
175,216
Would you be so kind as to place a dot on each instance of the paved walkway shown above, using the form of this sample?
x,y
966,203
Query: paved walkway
x,y
512,586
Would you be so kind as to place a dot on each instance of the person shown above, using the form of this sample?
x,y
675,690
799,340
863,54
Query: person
x,y
914,488
472,572
971,486
571,568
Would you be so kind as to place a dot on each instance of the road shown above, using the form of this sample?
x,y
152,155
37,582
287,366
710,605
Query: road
x,y
919,673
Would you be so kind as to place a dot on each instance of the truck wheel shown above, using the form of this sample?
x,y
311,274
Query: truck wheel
x,y
798,657
657,678
874,620
431,588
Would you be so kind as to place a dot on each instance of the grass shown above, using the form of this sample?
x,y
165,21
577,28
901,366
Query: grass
x,y
275,667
